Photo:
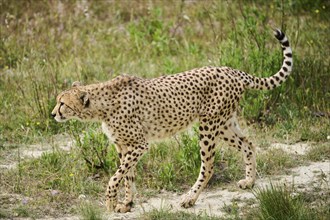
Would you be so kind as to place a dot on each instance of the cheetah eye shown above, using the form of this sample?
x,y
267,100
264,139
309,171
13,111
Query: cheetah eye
x,y
61,103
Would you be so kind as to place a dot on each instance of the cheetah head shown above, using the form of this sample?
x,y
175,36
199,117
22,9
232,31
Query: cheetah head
x,y
71,104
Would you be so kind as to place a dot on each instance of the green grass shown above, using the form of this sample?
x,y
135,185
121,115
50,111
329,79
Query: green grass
x,y
45,46
280,202
166,214
319,152
23,211
51,184
276,162
54,47
89,211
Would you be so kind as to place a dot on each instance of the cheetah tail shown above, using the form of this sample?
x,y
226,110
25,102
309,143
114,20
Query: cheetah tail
x,y
276,80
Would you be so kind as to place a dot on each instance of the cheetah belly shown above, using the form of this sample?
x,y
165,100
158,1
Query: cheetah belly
x,y
161,131
167,122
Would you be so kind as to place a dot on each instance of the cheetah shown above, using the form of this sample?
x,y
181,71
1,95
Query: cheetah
x,y
134,111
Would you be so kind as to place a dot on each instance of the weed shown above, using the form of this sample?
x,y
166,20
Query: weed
x,y
275,162
168,162
279,202
4,214
166,214
232,210
23,211
319,152
94,148
89,211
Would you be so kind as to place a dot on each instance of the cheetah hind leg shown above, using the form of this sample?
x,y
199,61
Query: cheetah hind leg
x,y
234,137
208,135
110,203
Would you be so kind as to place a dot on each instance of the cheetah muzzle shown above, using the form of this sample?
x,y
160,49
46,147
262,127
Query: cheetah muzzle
x,y
134,111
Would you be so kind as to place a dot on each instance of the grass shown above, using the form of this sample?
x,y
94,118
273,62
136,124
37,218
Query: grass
x,y
89,211
159,39
319,152
45,46
166,214
276,162
280,202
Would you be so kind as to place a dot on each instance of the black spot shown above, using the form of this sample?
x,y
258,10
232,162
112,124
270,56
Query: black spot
x,y
288,63
285,69
288,54
279,35
286,43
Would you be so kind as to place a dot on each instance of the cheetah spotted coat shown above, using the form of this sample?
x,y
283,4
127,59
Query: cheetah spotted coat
x,y
134,111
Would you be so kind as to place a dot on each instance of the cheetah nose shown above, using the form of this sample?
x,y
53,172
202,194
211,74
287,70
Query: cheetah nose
x,y
53,115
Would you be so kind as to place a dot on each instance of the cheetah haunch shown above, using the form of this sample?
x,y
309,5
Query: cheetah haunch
x,y
134,111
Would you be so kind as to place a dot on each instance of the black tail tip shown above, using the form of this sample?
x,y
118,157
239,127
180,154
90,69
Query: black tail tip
x,y
279,34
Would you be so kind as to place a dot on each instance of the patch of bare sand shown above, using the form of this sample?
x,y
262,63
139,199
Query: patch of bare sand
x,y
212,202
35,150
297,148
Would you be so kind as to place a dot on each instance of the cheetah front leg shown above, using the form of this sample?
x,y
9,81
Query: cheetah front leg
x,y
127,204
207,144
127,165
129,184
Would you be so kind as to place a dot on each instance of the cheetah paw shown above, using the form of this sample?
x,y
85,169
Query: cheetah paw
x,y
187,201
123,208
110,204
245,183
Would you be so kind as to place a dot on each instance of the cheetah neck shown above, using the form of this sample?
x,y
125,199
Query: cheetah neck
x,y
103,101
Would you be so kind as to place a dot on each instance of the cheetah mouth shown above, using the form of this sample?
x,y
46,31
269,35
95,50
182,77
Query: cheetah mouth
x,y
60,119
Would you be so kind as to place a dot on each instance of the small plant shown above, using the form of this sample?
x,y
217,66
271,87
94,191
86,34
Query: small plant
x,y
4,214
275,161
166,214
94,148
23,211
90,211
232,210
172,164
188,155
278,202
319,152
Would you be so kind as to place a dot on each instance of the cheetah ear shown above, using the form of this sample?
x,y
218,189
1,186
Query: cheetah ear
x,y
84,98
76,83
